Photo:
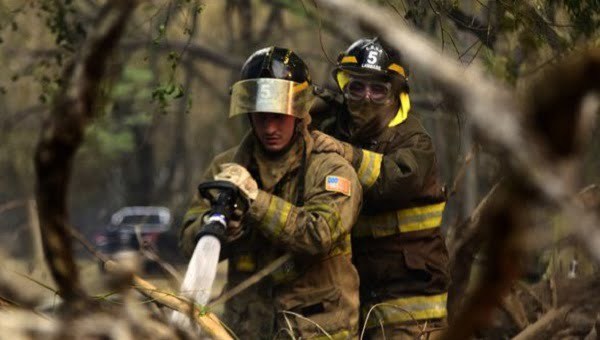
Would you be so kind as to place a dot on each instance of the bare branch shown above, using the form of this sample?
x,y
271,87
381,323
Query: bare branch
x,y
546,322
533,20
209,322
11,205
255,278
194,51
466,22
62,133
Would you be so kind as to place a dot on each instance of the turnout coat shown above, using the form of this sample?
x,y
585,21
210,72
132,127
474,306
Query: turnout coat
x,y
307,205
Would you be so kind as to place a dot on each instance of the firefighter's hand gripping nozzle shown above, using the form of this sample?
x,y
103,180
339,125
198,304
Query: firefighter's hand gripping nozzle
x,y
224,198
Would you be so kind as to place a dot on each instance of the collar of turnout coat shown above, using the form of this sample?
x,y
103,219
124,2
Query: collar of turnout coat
x,y
245,155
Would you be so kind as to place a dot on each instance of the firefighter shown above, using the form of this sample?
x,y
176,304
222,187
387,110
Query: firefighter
x,y
398,247
300,202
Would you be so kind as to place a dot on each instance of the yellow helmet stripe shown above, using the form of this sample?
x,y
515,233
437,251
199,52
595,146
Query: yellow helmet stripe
x,y
299,87
397,68
349,59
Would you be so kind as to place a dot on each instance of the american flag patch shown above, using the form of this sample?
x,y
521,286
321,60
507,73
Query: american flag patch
x,y
338,184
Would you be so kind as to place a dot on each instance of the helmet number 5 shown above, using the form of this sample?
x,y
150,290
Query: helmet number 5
x,y
264,92
372,57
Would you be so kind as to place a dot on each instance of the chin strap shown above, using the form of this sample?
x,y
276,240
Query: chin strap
x,y
402,110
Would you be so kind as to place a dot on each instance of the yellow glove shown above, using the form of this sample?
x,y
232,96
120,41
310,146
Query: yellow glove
x,y
240,177
325,143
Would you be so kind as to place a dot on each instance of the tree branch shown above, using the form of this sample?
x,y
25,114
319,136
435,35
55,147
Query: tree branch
x,y
61,136
551,320
209,322
534,21
465,22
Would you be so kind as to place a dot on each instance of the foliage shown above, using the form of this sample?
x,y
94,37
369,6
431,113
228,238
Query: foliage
x,y
585,15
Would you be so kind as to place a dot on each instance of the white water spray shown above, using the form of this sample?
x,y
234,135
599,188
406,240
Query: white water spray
x,y
200,275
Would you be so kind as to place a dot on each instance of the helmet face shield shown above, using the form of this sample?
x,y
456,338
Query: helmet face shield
x,y
270,95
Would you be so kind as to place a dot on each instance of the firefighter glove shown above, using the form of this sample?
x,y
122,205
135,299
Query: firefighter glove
x,y
240,177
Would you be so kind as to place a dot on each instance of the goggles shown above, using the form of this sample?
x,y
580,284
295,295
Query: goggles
x,y
270,95
358,89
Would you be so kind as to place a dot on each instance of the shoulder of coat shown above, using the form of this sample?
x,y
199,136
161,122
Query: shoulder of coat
x,y
327,158
329,163
226,156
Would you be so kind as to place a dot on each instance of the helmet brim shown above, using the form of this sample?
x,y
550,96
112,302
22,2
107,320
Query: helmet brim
x,y
362,71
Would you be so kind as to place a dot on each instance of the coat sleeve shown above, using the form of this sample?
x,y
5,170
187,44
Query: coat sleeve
x,y
325,219
392,179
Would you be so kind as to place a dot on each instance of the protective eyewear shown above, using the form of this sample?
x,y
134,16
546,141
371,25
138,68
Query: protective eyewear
x,y
359,89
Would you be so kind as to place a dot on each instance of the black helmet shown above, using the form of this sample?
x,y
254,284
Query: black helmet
x,y
372,56
275,80
275,62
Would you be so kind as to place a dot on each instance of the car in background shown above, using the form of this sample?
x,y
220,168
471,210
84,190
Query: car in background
x,y
134,228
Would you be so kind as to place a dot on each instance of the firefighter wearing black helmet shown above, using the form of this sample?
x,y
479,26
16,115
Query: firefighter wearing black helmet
x,y
301,202
398,247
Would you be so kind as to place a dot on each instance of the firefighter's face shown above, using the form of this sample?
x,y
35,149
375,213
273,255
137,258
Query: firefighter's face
x,y
274,131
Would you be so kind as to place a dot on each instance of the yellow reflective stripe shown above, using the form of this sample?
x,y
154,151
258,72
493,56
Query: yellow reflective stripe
x,y
408,309
286,273
276,217
343,247
370,168
397,68
400,221
336,336
349,59
420,218
245,263
193,213
331,216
